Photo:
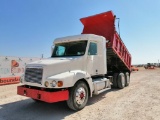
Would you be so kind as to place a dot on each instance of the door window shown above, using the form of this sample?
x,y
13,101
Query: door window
x,y
92,48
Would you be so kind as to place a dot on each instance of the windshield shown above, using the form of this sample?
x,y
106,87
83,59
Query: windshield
x,y
70,49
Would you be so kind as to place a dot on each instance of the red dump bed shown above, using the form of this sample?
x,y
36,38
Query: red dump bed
x,y
118,57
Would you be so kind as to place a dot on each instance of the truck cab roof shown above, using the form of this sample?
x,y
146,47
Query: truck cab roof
x,y
78,38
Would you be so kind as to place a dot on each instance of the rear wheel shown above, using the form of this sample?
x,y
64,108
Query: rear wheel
x,y
121,81
115,84
127,79
78,96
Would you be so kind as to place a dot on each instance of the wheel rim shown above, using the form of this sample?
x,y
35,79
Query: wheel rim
x,y
80,95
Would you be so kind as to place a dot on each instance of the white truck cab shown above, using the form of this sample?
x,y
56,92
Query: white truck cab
x,y
80,58
73,58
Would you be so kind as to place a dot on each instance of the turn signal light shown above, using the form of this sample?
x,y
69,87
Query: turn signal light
x,y
60,83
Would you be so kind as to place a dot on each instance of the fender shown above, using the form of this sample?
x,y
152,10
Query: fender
x,y
86,76
71,77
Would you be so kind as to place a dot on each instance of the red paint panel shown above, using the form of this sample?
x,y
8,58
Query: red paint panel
x,y
120,49
9,80
100,24
45,96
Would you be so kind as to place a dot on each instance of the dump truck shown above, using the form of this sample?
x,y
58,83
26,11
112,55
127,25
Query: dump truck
x,y
80,66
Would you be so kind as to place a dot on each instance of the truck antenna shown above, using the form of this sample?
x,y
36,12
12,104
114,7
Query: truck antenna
x,y
118,25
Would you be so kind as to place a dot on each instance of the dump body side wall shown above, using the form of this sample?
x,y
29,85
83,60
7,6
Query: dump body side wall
x,y
117,50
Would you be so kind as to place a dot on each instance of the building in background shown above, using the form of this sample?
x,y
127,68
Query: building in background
x,y
11,68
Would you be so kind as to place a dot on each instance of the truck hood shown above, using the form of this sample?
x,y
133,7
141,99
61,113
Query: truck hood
x,y
53,66
46,62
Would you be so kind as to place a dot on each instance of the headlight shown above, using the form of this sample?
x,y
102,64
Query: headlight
x,y
46,84
54,83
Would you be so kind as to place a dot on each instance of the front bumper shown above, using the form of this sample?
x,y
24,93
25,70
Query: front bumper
x,y
42,95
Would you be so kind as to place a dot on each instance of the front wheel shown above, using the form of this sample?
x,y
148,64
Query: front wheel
x,y
78,96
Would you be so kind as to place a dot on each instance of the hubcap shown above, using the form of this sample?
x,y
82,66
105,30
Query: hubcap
x,y
80,95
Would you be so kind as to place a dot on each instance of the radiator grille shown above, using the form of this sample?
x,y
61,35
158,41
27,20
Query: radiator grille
x,y
33,75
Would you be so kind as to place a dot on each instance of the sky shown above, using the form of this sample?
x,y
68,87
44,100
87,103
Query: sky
x,y
29,27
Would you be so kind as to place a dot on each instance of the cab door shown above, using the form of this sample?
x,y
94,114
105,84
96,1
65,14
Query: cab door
x,y
92,58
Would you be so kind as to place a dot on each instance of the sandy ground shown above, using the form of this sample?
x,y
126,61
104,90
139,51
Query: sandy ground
x,y
139,101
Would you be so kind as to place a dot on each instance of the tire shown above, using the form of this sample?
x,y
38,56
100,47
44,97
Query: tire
x,y
115,84
127,79
78,96
121,81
